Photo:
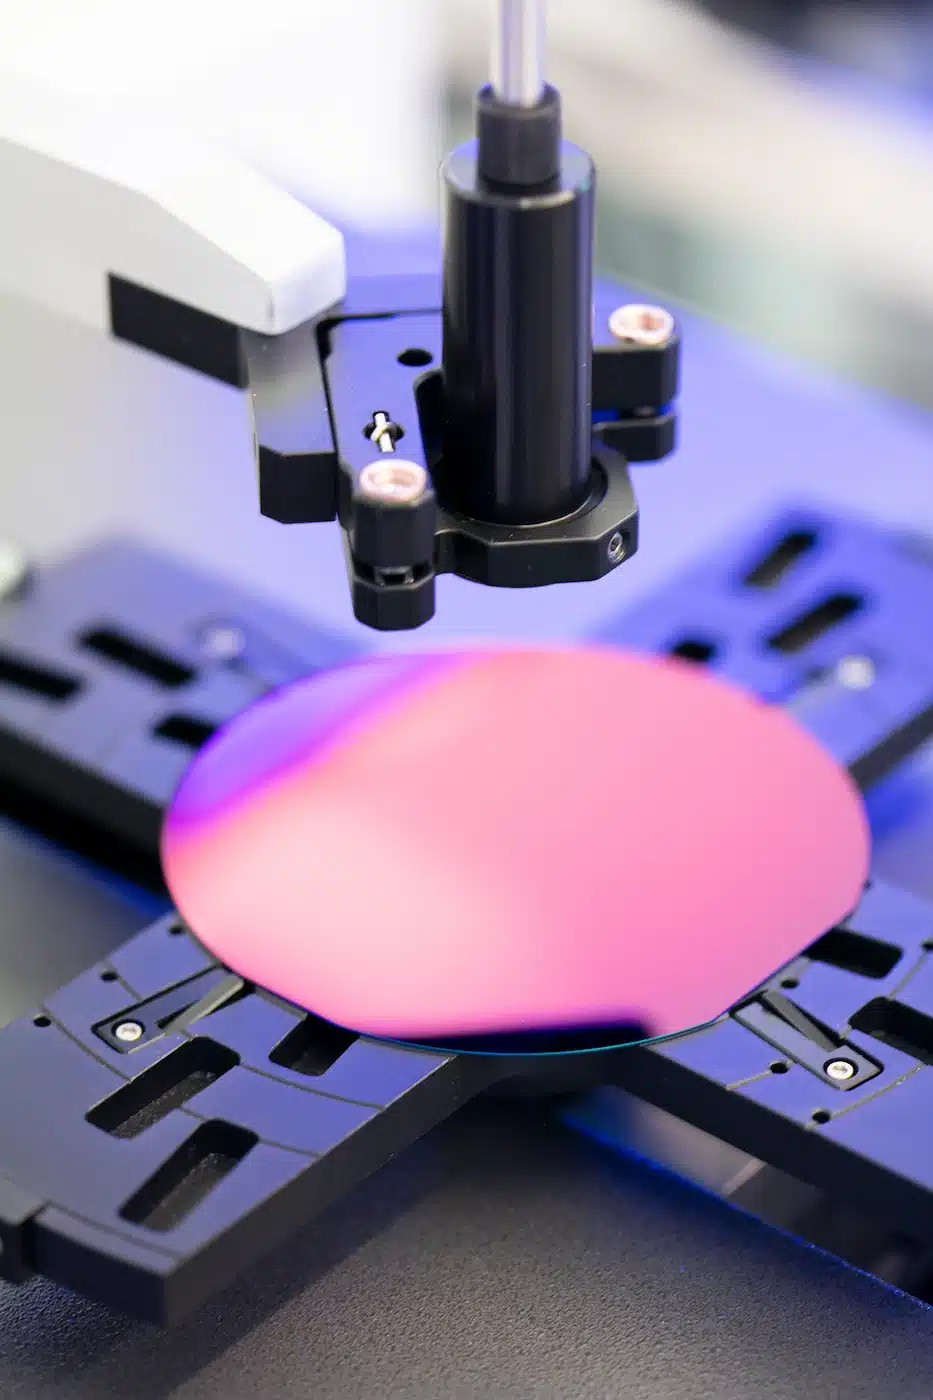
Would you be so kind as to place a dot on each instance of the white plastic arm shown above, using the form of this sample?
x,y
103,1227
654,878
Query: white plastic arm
x,y
88,191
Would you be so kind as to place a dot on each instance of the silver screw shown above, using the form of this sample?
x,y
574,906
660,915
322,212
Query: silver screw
x,y
616,547
397,482
128,1031
856,673
642,325
14,569
223,641
840,1070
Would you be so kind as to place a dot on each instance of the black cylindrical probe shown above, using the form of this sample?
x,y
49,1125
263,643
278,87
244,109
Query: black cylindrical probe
x,y
518,254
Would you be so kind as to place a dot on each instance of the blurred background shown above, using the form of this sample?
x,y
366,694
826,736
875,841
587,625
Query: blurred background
x,y
769,162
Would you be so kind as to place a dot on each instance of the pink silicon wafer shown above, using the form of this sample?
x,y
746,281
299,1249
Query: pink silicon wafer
x,y
480,843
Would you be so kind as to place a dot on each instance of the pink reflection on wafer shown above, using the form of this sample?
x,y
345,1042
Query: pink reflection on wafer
x,y
516,841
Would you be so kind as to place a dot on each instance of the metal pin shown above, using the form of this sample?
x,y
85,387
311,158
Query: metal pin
x,y
128,1031
384,432
518,52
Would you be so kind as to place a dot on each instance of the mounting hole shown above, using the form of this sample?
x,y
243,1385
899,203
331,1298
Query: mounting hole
x,y
616,547
821,1116
415,359
927,946
789,983
779,1067
692,649
176,928
42,1021
108,976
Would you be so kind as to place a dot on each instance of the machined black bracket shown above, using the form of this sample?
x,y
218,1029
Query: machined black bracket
x,y
825,614
783,1093
117,664
800,1038
316,394
146,1170
154,1162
